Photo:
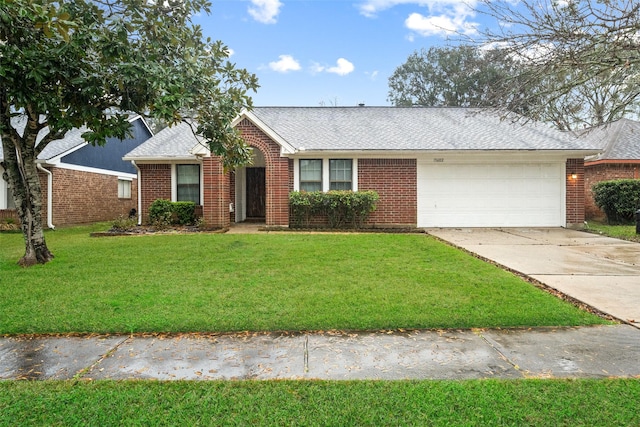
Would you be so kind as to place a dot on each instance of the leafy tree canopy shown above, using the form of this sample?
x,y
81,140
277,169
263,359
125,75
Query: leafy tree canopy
x,y
71,63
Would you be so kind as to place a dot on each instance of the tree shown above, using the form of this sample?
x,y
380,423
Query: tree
x,y
461,76
72,63
580,57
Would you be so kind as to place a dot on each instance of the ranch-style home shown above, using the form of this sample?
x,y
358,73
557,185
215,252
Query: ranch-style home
x,y
432,167
82,183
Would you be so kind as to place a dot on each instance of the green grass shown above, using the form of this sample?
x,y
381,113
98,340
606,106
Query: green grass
x,y
625,232
276,281
370,403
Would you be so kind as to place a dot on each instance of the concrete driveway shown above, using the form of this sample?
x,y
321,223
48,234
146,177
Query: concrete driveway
x,y
599,271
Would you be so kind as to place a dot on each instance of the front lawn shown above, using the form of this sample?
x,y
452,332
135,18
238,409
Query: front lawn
x,y
335,403
624,232
275,281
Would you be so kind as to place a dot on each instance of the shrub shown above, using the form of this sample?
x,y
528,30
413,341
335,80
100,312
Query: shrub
x,y
619,199
160,213
124,223
185,212
341,208
163,213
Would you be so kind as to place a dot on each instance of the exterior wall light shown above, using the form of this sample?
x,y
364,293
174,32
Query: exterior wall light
x,y
574,176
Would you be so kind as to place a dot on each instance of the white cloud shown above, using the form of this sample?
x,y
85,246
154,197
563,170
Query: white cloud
x,y
285,64
440,25
265,11
316,68
370,8
373,75
442,17
342,68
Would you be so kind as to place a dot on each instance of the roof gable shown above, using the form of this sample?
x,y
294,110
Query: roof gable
x,y
620,140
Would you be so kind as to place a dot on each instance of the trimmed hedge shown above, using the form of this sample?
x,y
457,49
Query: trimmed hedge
x,y
164,212
343,209
619,199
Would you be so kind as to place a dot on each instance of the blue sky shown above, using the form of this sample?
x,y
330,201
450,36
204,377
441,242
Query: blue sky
x,y
331,52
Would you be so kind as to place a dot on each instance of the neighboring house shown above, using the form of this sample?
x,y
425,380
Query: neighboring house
x,y
620,158
82,183
432,167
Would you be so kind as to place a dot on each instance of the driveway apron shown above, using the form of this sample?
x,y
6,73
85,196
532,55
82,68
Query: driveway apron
x,y
599,271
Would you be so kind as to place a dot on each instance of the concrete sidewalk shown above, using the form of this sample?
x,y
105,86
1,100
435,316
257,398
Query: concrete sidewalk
x,y
599,271
595,352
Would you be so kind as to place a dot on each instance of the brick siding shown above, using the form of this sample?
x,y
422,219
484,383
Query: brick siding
x,y
575,193
605,171
84,197
395,181
155,183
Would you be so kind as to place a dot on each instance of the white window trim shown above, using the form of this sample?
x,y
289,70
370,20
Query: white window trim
x,y
325,171
130,180
174,180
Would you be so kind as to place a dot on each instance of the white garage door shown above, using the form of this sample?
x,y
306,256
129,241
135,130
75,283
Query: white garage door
x,y
490,195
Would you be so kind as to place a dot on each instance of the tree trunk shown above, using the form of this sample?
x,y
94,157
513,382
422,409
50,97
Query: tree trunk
x,y
20,165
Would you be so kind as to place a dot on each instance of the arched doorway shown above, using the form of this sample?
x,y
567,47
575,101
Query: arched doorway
x,y
251,195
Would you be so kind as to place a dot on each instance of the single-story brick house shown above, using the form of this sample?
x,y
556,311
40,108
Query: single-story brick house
x,y
432,167
620,158
82,183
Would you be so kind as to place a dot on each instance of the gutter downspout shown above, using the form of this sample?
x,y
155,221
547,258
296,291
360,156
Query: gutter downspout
x,y
139,191
49,196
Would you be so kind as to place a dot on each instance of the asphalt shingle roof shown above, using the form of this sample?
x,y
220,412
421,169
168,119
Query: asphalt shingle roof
x,y
72,139
171,142
414,128
383,129
620,140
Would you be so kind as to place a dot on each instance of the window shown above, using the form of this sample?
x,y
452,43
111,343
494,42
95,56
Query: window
x,y
188,183
310,175
340,174
124,189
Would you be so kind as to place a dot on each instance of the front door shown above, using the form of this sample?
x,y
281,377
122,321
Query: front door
x,y
256,193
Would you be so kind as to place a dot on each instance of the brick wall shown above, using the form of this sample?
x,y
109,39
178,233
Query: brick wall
x,y
575,193
395,180
597,172
215,207
155,183
278,172
85,197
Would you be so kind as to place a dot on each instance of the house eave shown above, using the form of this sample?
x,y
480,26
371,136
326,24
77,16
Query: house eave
x,y
611,161
165,159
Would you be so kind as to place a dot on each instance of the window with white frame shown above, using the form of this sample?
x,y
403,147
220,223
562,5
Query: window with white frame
x,y
188,183
310,175
124,189
340,174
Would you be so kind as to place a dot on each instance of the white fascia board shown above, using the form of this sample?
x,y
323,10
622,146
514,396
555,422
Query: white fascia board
x,y
88,169
285,147
155,159
58,158
144,122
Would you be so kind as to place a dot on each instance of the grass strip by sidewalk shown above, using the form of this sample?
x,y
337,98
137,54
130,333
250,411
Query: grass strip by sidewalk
x,y
476,402
263,282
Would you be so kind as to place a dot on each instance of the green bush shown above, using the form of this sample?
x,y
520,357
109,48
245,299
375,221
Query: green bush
x,y
124,223
163,213
619,199
185,212
341,208
160,213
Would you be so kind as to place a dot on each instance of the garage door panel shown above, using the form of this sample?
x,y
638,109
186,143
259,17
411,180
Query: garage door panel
x,y
485,195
